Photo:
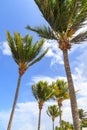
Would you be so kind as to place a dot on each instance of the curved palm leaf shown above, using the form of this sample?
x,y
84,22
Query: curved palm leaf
x,y
44,31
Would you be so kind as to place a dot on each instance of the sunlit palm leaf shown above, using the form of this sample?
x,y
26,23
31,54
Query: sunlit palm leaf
x,y
23,51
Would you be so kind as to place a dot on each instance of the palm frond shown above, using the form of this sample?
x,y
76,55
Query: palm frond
x,y
45,32
38,58
12,46
79,38
63,15
53,11
80,14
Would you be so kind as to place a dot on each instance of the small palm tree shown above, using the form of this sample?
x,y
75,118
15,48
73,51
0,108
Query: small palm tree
x,y
42,92
65,18
82,114
67,125
53,112
24,54
61,93
83,118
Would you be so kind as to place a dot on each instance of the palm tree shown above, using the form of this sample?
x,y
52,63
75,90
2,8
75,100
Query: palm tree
x,y
24,54
82,114
65,18
67,125
53,112
83,118
61,93
42,92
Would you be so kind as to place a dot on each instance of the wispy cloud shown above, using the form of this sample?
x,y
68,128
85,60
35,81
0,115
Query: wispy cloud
x,y
26,117
36,79
54,52
5,48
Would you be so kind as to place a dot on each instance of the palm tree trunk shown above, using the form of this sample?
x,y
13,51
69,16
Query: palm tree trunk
x,y
72,94
39,120
53,124
60,118
14,104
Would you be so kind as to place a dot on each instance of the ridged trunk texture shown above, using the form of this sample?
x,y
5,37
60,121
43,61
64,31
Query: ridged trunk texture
x,y
72,93
14,104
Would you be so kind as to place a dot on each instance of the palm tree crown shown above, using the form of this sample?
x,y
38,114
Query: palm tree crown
x,y
53,111
82,114
42,91
61,91
65,17
24,52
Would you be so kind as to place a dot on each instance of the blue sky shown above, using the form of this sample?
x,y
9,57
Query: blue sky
x,y
14,17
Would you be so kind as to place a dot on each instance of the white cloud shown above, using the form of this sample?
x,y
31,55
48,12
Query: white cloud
x,y
54,52
26,117
5,48
36,79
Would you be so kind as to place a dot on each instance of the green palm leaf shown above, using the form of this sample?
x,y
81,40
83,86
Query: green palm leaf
x,y
23,51
44,31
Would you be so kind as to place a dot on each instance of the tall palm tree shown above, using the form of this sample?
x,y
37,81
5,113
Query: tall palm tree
x,y
53,112
61,93
42,92
64,17
24,54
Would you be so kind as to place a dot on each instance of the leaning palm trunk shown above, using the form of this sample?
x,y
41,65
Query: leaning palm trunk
x,y
73,101
14,104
